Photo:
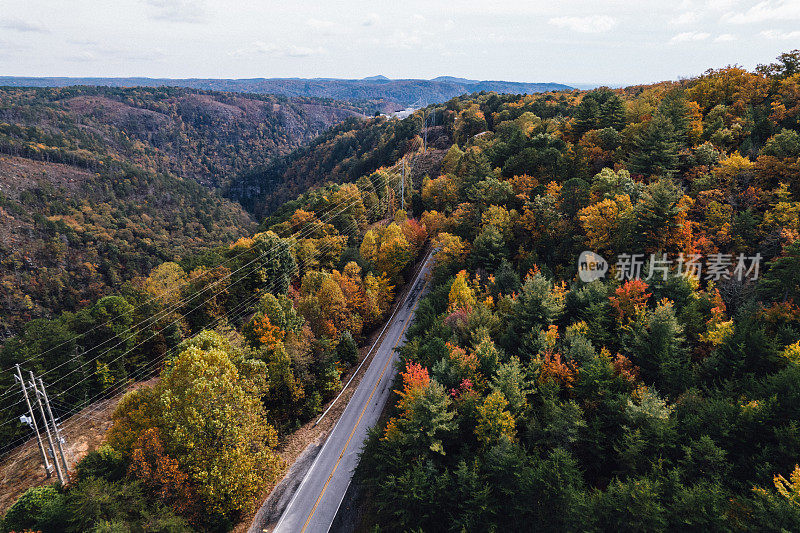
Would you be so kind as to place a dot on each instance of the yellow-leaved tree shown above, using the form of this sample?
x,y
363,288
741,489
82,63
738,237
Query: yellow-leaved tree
x,y
208,412
461,294
495,422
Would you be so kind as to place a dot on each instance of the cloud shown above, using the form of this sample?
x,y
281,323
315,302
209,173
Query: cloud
x,y
707,5
778,35
590,24
373,19
724,38
84,56
689,36
763,11
115,54
322,25
302,51
22,26
405,40
276,50
189,11
685,18
7,48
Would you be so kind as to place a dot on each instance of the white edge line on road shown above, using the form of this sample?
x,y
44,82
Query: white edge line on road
x,y
377,340
350,479
327,439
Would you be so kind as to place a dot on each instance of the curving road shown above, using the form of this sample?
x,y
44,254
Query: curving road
x,y
316,502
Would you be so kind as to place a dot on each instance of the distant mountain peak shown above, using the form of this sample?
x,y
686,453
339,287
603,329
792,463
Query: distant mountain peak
x,y
379,77
454,79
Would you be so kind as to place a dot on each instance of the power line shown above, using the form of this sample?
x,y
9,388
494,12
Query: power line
x,y
242,306
271,286
150,300
88,414
180,303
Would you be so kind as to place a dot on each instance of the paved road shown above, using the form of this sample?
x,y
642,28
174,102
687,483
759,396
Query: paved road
x,y
316,502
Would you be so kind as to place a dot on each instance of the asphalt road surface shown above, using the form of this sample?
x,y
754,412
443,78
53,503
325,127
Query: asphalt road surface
x,y
316,502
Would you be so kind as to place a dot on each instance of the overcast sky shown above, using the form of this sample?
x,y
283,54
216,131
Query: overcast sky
x,y
599,41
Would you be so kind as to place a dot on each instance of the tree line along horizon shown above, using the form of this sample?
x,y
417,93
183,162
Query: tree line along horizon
x,y
526,396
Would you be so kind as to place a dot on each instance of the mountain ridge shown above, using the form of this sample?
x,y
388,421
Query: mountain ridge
x,y
404,92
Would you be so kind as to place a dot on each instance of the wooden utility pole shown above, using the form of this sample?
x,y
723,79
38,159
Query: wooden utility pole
x,y
47,430
59,439
33,422
403,187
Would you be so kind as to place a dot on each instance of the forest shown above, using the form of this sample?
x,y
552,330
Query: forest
x,y
100,185
659,398
529,399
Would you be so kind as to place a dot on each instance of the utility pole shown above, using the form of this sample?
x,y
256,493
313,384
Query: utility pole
x,y
403,187
47,467
424,132
59,439
47,430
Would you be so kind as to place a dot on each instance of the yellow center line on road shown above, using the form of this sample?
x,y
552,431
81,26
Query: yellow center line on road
x,y
364,410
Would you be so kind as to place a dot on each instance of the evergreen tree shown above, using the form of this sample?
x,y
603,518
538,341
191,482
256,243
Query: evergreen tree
x,y
655,149
612,113
346,350
586,115
673,106
657,215
782,280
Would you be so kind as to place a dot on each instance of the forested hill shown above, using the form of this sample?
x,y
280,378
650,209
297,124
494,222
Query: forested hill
x,y
404,92
201,135
98,185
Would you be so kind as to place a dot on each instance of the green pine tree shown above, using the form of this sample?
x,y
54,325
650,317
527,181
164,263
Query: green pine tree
x,y
612,113
655,149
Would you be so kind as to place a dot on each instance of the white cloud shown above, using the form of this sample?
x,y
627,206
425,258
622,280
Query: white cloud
x,y
373,19
190,11
276,50
83,56
687,17
778,35
590,24
318,24
21,25
724,38
689,36
302,51
99,53
767,10
406,40
11,48
702,5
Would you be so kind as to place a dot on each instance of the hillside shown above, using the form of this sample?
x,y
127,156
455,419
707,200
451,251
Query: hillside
x,y
205,136
69,236
356,148
377,89
98,185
